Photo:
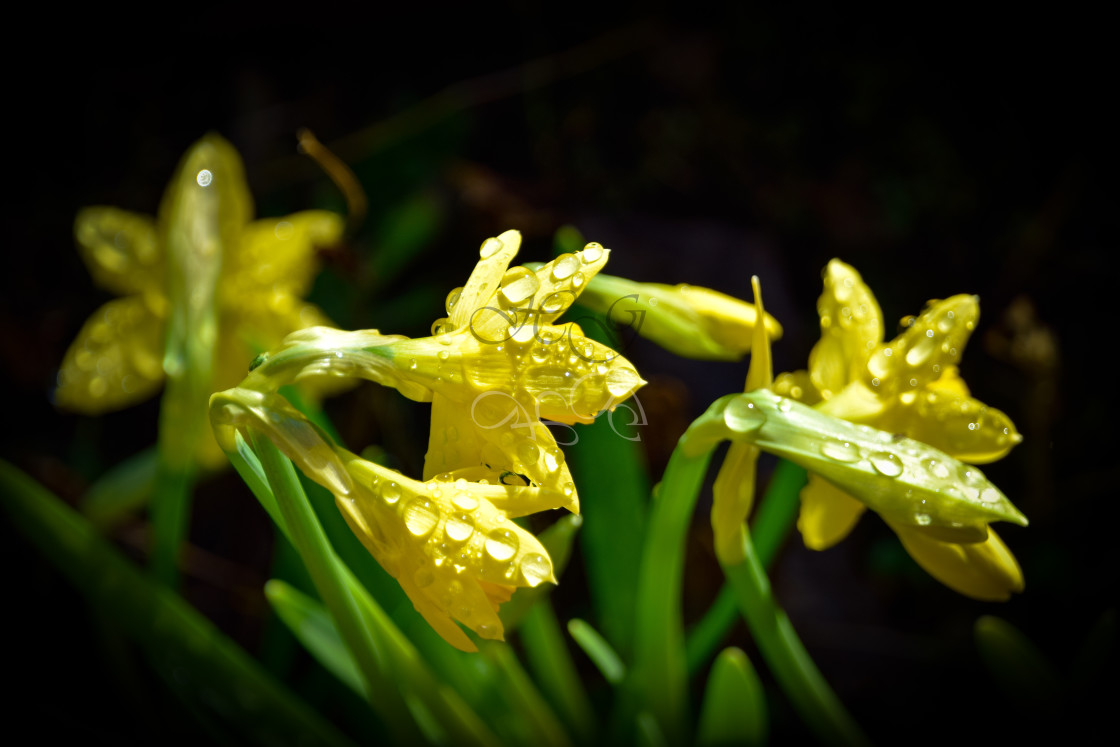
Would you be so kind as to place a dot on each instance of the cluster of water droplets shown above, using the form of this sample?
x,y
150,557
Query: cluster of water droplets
x,y
462,534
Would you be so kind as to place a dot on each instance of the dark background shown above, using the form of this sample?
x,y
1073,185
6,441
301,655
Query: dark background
x,y
939,151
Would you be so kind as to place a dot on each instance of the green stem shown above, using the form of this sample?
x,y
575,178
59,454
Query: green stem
x,y
170,517
786,656
309,539
772,521
658,679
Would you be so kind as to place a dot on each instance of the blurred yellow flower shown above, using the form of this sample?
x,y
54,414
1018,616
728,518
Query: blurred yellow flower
x,y
203,286
908,386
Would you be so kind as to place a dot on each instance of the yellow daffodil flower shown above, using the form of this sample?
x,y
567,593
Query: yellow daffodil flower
x,y
908,386
204,288
496,370
689,320
455,553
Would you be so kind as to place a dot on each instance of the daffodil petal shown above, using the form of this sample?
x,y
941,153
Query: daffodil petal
x,y
120,249
851,326
497,439
827,515
564,278
760,373
797,385
986,571
932,343
962,427
277,255
732,498
949,382
116,360
469,309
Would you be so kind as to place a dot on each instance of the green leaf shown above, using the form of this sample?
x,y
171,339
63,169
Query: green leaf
x,y
310,623
551,662
734,710
220,678
598,650
122,491
1017,666
401,237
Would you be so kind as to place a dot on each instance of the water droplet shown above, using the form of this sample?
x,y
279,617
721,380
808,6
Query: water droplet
x,y
204,178
592,252
937,468
465,501
540,353
536,569
552,303
489,248
444,355
886,463
453,298
502,544
569,489
922,349
424,577
990,495
564,266
553,458
742,416
578,280
529,453
923,520
785,406
412,364
459,527
521,333
521,288
840,451
420,516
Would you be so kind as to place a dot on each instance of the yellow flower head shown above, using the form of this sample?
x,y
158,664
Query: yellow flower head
x,y
203,287
499,368
910,387
455,553
496,370
689,320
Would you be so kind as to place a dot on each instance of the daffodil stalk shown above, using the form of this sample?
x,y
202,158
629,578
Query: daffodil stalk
x,y
205,288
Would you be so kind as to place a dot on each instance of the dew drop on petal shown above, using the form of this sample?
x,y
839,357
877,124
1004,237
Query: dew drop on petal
x,y
742,416
592,252
564,266
886,463
459,527
536,569
465,501
529,452
391,493
553,458
840,451
453,298
502,544
937,468
922,519
490,247
420,516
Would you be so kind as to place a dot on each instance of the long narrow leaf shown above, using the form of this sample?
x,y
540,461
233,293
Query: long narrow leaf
x,y
734,710
230,684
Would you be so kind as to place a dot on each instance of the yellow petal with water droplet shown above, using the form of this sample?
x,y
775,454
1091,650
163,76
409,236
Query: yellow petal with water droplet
x,y
115,360
120,249
986,570
851,325
962,427
827,515
563,279
478,293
